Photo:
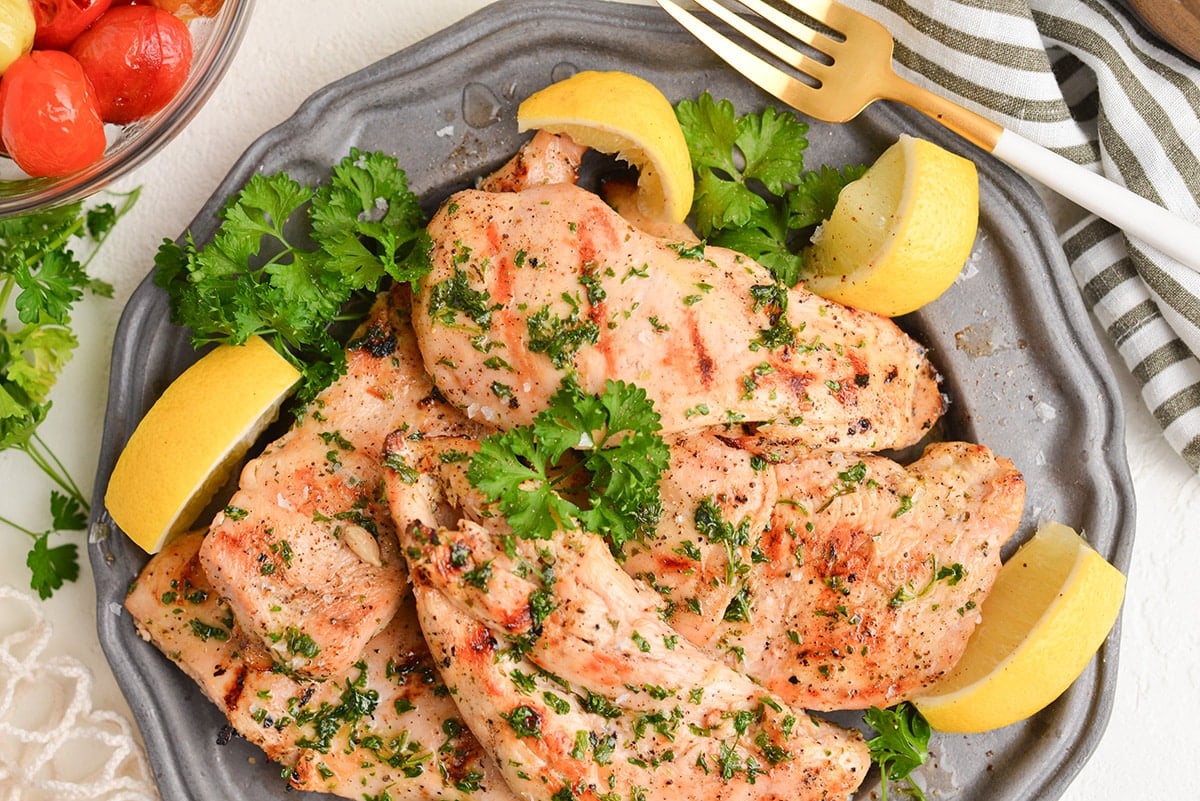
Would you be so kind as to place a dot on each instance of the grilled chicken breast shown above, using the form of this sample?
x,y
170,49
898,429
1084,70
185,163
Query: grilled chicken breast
x,y
838,581
304,553
530,286
386,725
361,613
563,668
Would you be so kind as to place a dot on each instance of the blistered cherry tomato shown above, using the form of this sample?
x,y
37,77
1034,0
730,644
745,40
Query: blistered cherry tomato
x,y
49,120
137,57
60,21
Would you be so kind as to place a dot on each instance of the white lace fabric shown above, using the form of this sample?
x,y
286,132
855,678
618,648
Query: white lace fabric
x,y
54,745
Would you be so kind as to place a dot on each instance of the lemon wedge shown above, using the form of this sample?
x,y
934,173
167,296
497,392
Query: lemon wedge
x,y
623,115
190,440
1052,606
900,234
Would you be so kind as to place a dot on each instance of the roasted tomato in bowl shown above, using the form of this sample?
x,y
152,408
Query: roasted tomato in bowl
x,y
49,118
60,21
137,58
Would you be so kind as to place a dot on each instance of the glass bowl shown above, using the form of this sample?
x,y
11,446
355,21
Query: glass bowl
x,y
214,41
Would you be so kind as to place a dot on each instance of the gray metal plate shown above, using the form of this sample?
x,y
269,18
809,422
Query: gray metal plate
x,y
1023,369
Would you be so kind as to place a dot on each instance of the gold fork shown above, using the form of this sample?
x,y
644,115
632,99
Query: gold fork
x,y
852,67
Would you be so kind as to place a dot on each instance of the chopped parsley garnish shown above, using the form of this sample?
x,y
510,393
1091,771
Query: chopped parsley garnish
x,y
525,721
715,529
454,296
560,338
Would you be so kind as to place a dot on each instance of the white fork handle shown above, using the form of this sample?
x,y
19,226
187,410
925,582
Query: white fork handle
x,y
1135,215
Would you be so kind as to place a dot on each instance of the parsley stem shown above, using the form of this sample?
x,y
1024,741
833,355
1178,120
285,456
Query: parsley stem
x,y
19,527
130,198
6,293
45,459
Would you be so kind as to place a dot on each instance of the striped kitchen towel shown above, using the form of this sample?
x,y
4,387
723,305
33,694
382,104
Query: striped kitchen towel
x,y
1087,79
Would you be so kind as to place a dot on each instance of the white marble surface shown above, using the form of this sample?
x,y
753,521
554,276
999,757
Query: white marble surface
x,y
294,47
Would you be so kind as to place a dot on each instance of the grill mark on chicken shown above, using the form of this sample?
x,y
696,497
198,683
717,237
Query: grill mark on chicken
x,y
705,368
694,333
607,700
398,697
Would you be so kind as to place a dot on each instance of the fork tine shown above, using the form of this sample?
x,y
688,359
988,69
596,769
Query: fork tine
x,y
755,34
767,76
759,36
831,13
800,30
840,18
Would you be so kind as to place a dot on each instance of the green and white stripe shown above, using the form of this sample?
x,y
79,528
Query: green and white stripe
x,y
1088,80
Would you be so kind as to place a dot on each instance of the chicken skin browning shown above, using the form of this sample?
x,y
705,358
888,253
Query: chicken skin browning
x,y
530,286
385,725
839,581
304,553
564,670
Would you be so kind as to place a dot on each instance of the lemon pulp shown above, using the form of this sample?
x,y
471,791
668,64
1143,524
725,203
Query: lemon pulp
x,y
899,235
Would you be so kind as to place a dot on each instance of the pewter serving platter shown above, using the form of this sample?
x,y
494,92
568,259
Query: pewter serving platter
x,y
1023,370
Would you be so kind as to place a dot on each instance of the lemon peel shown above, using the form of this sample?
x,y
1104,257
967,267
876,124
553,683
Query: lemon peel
x,y
901,233
621,114
187,445
1051,608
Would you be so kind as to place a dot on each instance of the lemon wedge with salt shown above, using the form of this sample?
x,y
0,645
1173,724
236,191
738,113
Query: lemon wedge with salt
x,y
900,234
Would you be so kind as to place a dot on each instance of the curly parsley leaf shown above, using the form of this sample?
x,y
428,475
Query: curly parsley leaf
x,y
369,223
42,276
50,291
753,193
287,258
534,472
901,744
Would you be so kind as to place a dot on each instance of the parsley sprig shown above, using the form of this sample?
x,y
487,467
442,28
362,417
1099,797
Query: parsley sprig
x,y
753,193
41,280
287,258
590,461
900,746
